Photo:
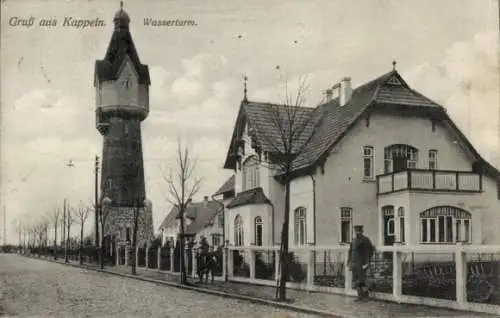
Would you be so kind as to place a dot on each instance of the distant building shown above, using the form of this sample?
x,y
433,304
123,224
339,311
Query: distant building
x,y
383,156
200,218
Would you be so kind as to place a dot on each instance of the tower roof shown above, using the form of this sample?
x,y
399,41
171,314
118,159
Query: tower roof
x,y
120,47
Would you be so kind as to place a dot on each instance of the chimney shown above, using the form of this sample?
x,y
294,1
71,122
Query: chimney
x,y
205,201
329,95
345,91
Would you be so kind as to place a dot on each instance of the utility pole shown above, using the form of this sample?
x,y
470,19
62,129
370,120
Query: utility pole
x,y
96,206
4,227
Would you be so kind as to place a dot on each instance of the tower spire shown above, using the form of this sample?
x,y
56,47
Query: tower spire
x,y
121,5
245,80
393,65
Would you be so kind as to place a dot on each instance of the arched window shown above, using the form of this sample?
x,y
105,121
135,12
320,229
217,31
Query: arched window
x,y
300,226
258,231
401,215
445,224
238,230
251,176
400,157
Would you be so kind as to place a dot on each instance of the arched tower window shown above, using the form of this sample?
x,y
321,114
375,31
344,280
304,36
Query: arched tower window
x,y
238,230
251,175
400,157
445,224
300,226
258,231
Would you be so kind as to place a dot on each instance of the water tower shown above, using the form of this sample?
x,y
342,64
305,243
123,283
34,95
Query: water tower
x,y
121,84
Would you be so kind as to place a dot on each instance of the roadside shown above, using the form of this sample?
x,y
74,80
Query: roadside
x,y
322,304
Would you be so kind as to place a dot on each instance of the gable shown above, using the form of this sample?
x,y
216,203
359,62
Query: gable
x,y
128,71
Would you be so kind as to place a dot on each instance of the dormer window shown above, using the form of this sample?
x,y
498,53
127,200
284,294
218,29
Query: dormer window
x,y
251,175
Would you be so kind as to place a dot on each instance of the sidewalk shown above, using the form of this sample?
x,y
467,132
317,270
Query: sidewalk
x,y
320,303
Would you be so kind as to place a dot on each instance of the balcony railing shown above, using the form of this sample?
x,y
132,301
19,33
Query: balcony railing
x,y
430,180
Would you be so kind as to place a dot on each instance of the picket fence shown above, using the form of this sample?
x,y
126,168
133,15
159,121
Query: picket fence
x,y
458,276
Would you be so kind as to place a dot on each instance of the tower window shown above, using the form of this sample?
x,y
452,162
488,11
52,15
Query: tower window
x,y
126,83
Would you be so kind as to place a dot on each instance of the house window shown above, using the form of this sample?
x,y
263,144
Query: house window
x,y
368,163
125,129
127,234
400,157
433,159
401,214
216,240
220,220
446,225
238,230
258,231
251,176
345,225
300,226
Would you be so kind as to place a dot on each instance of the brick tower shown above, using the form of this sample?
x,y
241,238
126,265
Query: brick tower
x,y
122,103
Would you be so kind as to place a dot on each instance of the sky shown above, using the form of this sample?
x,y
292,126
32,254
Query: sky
x,y
447,50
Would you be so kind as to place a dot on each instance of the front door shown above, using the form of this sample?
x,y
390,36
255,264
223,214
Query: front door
x,y
399,163
388,217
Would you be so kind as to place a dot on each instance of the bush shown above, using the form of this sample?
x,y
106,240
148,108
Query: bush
x,y
296,271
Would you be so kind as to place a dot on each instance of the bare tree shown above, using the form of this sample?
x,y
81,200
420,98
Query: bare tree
x,y
283,136
182,186
55,216
69,221
104,211
82,213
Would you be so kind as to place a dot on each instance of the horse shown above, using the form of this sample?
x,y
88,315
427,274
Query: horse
x,y
207,264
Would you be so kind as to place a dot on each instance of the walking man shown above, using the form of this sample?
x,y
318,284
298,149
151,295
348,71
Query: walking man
x,y
360,252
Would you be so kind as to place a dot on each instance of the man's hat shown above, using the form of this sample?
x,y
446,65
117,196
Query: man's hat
x,y
358,227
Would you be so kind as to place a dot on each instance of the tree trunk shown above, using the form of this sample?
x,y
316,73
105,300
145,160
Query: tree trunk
x,y
181,252
101,249
81,244
134,239
284,241
67,240
55,240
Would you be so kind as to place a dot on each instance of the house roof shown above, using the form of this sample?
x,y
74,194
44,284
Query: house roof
x,y
228,186
120,47
252,196
331,121
201,213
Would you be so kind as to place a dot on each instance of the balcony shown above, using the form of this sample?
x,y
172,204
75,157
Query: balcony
x,y
429,180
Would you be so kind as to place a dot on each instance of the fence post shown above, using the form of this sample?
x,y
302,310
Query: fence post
x,y
172,264
126,254
230,263
347,273
276,265
194,265
397,272
117,254
136,256
251,260
461,272
158,258
224,260
147,257
310,268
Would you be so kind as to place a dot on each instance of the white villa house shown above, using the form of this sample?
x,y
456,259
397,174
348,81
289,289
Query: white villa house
x,y
382,155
